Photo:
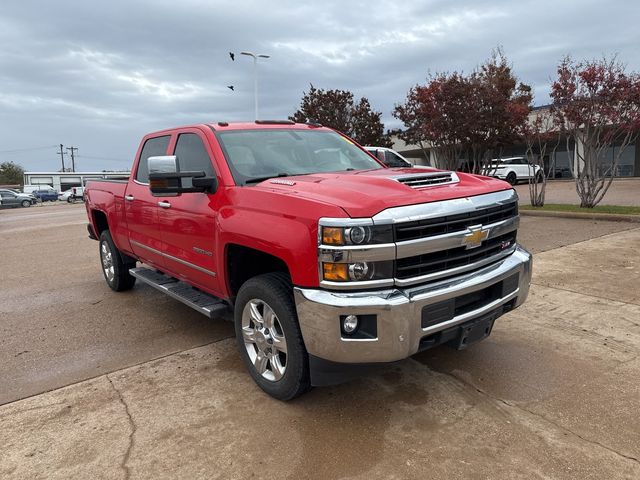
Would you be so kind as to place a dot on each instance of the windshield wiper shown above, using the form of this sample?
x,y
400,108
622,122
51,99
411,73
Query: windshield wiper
x,y
262,179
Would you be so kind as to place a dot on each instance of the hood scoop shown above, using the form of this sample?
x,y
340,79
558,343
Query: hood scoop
x,y
428,179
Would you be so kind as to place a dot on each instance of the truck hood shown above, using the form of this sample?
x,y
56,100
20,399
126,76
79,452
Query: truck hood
x,y
365,193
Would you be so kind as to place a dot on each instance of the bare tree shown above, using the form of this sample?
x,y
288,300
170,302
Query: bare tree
x,y
542,138
597,104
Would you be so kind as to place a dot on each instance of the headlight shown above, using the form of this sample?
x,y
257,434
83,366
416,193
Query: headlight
x,y
357,235
357,271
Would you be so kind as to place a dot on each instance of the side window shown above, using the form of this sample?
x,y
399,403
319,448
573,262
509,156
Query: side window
x,y
393,160
153,147
192,155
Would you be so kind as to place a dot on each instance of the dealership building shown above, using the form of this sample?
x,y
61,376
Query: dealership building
x,y
557,164
62,181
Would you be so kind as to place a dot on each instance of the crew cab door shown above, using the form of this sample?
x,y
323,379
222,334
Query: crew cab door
x,y
188,220
141,207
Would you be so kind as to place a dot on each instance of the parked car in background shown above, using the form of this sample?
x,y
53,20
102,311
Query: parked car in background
x,y
389,157
12,199
33,188
513,170
46,194
65,196
71,195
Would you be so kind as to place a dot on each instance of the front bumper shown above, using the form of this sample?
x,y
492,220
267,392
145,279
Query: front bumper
x,y
399,312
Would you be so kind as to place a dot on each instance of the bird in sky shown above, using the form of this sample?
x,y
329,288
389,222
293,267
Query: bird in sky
x,y
233,56
230,87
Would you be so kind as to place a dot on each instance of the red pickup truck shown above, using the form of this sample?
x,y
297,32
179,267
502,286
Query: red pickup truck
x,y
330,261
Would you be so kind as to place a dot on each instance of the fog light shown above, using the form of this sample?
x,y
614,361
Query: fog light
x,y
358,271
350,323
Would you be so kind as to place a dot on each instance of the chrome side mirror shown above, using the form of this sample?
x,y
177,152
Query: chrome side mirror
x,y
163,164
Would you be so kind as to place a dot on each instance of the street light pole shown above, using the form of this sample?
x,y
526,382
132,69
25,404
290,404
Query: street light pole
x,y
255,77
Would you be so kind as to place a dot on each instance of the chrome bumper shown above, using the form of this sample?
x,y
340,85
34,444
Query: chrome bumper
x,y
399,312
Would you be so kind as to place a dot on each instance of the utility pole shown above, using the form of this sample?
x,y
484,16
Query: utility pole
x,y
61,153
73,158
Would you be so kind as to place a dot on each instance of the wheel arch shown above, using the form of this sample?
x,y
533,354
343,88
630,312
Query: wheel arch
x,y
243,263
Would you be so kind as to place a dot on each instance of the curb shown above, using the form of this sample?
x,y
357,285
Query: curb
x,y
610,217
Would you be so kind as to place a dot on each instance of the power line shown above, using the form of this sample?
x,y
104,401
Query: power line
x,y
18,150
91,157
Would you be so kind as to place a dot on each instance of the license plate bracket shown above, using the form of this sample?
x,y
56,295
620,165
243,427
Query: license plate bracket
x,y
473,331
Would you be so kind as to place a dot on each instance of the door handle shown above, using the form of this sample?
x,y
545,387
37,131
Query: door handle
x,y
164,204
129,198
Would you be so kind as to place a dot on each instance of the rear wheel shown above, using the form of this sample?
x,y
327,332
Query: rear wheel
x,y
269,337
512,178
115,266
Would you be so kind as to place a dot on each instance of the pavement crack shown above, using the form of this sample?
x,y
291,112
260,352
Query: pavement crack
x,y
544,418
133,428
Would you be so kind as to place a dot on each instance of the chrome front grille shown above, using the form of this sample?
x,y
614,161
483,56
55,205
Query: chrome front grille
x,y
454,223
465,236
454,258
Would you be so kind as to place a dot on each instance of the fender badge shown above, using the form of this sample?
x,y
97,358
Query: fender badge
x,y
283,182
475,237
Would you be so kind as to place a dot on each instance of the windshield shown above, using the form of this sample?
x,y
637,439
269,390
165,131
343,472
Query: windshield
x,y
254,155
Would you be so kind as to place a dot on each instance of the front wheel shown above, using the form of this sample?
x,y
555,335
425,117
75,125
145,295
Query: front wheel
x,y
26,203
115,266
269,337
512,178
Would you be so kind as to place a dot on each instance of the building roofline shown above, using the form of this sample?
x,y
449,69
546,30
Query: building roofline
x,y
119,172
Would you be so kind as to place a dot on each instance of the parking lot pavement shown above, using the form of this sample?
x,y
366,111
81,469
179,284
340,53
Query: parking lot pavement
x,y
623,191
60,324
553,393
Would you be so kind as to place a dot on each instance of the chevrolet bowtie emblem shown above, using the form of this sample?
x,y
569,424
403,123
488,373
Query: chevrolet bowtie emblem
x,y
475,237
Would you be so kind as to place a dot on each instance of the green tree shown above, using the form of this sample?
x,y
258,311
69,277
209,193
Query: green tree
x,y
11,173
338,110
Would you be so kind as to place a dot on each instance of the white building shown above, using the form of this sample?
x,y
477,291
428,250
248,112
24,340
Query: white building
x,y
62,181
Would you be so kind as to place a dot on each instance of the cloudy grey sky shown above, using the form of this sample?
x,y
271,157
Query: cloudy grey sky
x,y
99,75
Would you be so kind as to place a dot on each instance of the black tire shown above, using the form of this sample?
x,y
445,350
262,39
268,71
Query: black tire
x,y
512,178
275,290
25,203
69,200
119,279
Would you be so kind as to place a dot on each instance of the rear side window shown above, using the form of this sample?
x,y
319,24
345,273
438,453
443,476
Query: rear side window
x,y
153,147
192,155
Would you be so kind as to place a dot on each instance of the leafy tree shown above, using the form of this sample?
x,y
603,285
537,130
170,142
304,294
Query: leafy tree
x,y
597,104
337,109
434,116
474,116
11,173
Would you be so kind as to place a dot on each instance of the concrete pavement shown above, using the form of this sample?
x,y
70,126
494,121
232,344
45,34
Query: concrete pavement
x,y
553,393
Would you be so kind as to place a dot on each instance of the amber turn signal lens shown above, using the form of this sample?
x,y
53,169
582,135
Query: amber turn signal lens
x,y
336,272
332,236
